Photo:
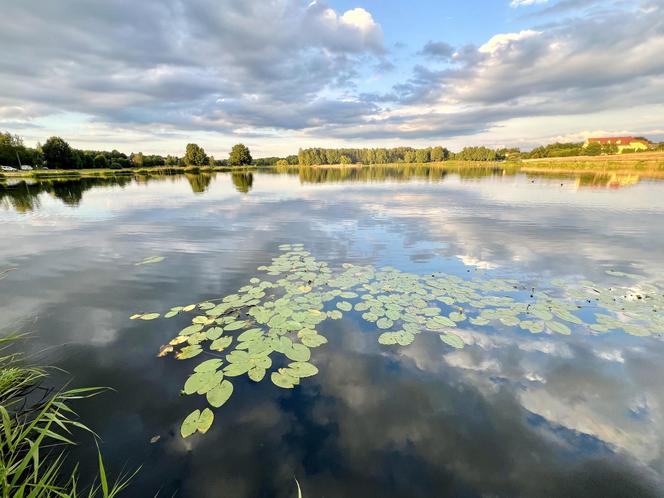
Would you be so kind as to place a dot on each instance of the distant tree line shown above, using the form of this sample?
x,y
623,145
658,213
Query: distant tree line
x,y
309,157
56,153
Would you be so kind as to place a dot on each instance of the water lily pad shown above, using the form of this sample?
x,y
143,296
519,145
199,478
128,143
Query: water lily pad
x,y
205,421
298,353
202,320
189,352
387,338
313,340
532,326
303,369
256,373
282,380
452,340
151,260
214,333
344,306
236,369
250,335
542,314
192,329
558,327
567,316
190,424
384,323
235,326
219,394
202,382
221,343
179,339
208,365
149,316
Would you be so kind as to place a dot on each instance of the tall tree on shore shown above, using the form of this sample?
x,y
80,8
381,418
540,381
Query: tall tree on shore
x,y
58,153
195,156
100,161
240,155
137,160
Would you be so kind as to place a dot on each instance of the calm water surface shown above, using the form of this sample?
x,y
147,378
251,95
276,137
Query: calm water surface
x,y
511,414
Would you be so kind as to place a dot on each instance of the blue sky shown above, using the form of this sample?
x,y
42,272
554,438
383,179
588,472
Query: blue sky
x,y
283,74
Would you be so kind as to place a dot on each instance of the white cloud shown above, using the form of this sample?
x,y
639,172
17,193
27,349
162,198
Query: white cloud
x,y
523,3
503,41
280,72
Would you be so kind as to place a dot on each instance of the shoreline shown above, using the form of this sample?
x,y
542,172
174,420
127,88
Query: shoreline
x,y
647,164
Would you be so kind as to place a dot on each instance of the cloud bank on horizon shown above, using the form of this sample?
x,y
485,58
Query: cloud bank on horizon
x,y
280,74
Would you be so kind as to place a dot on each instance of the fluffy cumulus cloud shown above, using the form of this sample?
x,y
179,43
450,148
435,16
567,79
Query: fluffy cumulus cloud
x,y
200,65
604,60
285,69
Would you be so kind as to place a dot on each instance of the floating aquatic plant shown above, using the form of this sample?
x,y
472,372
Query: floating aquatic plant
x,y
151,260
267,328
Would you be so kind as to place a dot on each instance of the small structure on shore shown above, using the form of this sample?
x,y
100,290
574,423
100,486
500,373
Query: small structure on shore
x,y
622,143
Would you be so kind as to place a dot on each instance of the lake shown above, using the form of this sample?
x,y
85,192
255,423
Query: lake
x,y
548,380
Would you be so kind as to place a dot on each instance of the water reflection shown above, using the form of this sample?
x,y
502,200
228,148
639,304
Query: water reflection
x,y
199,182
243,181
23,195
513,414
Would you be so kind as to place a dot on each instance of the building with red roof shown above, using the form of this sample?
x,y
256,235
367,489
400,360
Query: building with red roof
x,y
634,143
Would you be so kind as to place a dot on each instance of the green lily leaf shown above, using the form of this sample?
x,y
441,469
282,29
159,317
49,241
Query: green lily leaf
x,y
219,394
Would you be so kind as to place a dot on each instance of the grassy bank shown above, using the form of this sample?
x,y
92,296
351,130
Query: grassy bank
x,y
645,164
97,173
37,428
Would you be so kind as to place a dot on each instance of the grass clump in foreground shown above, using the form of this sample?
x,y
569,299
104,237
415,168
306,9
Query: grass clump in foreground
x,y
35,432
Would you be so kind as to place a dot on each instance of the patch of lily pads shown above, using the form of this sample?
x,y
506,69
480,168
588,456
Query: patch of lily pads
x,y
267,329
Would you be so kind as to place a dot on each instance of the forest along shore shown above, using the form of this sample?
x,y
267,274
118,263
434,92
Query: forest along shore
x,y
645,164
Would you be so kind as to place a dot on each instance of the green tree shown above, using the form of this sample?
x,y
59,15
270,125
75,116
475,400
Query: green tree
x,y
137,160
477,154
195,156
100,162
438,154
422,155
282,162
345,160
58,154
609,149
239,155
593,149
11,140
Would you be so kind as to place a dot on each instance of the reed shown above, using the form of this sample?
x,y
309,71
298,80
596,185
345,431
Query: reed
x,y
36,430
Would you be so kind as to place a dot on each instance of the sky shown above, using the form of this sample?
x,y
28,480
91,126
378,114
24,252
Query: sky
x,y
279,75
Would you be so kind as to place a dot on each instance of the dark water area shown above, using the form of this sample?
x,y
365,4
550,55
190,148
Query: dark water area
x,y
511,414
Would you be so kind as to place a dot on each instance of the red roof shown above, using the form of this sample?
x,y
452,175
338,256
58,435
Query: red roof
x,y
618,140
